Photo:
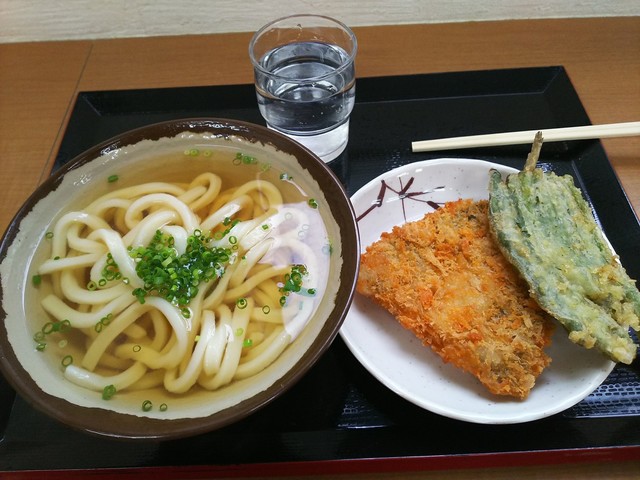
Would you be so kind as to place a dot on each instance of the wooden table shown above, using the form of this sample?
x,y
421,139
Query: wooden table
x,y
602,57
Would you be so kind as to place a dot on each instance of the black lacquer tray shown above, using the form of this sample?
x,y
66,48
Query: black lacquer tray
x,y
338,418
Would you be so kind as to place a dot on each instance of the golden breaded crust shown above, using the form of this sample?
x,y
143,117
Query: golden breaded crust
x,y
444,278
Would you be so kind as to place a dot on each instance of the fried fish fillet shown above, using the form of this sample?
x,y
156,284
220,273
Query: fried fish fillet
x,y
545,228
444,278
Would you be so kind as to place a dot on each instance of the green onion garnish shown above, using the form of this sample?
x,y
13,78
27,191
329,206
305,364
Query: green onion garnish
x,y
174,277
48,328
67,360
292,282
36,279
108,392
113,178
147,405
241,158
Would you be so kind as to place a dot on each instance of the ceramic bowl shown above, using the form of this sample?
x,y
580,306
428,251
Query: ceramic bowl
x,y
133,157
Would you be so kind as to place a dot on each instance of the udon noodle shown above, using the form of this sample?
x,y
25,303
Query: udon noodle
x,y
255,283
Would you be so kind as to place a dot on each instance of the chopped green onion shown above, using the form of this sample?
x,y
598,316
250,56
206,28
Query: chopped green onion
x,y
113,178
49,328
266,309
147,405
247,343
176,278
313,203
48,235
241,303
137,348
292,282
241,158
36,279
67,360
239,331
163,407
108,392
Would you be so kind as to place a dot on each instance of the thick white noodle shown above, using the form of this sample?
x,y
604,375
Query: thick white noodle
x,y
182,383
120,255
93,381
217,342
273,348
171,359
59,310
135,213
227,211
143,232
233,350
132,345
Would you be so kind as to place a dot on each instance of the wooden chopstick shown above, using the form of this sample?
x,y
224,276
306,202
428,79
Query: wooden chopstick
x,y
626,129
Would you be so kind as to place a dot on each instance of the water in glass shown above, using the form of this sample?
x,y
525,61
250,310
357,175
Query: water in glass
x,y
308,93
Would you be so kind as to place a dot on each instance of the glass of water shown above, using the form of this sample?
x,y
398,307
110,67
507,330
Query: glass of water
x,y
305,80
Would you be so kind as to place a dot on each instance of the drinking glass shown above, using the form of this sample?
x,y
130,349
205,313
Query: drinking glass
x,y
305,80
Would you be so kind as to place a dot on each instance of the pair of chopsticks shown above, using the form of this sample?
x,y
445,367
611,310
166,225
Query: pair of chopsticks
x,y
610,130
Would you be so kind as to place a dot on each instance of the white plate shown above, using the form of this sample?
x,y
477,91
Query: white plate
x,y
400,361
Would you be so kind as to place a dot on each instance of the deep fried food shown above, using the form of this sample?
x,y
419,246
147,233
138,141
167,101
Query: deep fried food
x,y
546,229
444,279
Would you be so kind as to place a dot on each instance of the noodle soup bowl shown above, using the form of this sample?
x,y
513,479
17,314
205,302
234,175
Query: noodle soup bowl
x,y
90,340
